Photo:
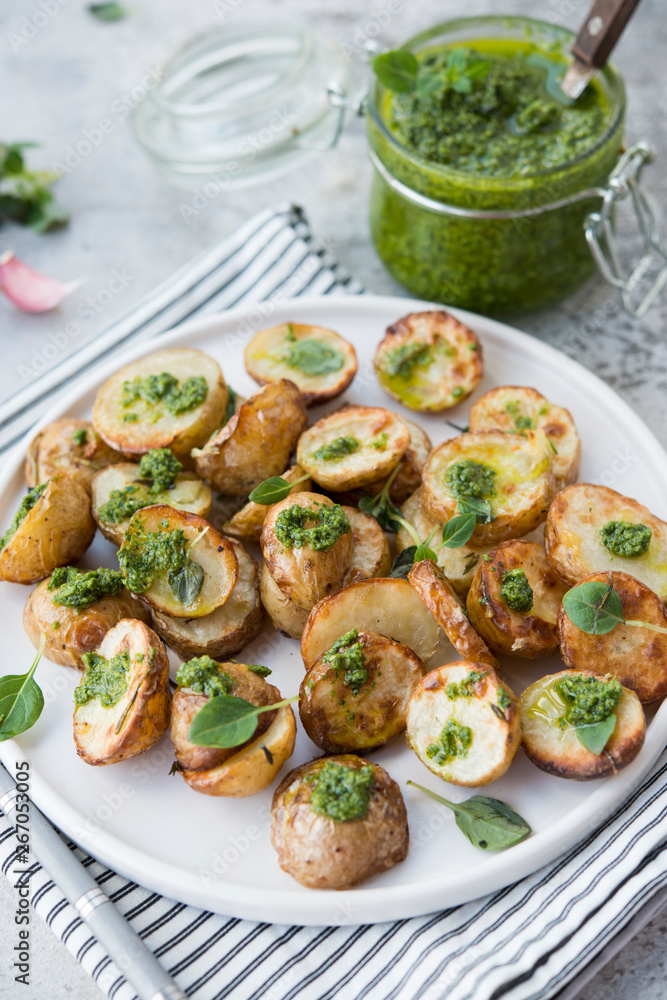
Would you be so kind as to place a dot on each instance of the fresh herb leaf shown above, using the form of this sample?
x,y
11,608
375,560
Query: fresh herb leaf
x,y
21,700
273,490
396,70
259,669
487,823
424,552
480,508
459,530
227,721
594,607
403,562
187,582
596,737
107,11
24,194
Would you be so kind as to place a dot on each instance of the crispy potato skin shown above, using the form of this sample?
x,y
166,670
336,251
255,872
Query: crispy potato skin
x,y
371,556
442,601
323,854
56,532
499,409
285,615
527,634
248,522
262,364
637,657
53,451
256,442
379,708
409,475
558,751
495,740
572,537
180,433
455,370
146,703
78,632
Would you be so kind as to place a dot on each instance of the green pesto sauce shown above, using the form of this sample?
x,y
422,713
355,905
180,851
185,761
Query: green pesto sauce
x,y
78,589
122,504
231,406
105,680
380,443
160,393
588,699
623,538
522,422
468,478
145,554
337,449
205,676
515,590
504,699
311,356
346,654
342,793
157,470
454,741
80,437
24,508
325,526
161,466
464,688
402,360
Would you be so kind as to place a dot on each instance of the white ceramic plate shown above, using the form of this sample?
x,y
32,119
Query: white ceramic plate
x,y
216,853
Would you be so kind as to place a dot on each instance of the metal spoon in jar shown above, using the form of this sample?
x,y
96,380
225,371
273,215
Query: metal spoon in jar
x,y
593,45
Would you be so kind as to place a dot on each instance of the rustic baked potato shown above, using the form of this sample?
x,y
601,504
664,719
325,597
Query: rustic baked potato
x,y
145,405
69,446
371,556
353,446
409,475
285,615
229,628
429,361
463,723
556,748
510,475
256,443
177,562
325,849
573,539
388,606
247,523
71,632
318,360
354,698
516,409
123,699
441,600
514,600
53,526
636,656
236,771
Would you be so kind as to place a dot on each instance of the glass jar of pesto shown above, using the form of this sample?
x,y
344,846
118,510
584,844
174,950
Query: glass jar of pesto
x,y
484,173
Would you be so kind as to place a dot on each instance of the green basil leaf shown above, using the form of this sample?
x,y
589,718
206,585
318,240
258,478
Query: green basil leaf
x,y
429,83
488,823
107,11
403,562
480,508
396,70
478,69
595,738
272,490
594,607
424,552
459,530
463,85
21,700
187,582
457,61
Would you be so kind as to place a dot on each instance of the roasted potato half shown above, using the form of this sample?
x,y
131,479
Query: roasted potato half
x,y
353,446
71,633
323,852
145,405
236,771
554,746
636,656
388,606
371,556
187,493
177,562
354,699
574,530
256,442
229,628
53,526
123,700
515,409
285,615
318,360
463,723
509,473
429,361
441,600
409,475
248,522
514,600
68,446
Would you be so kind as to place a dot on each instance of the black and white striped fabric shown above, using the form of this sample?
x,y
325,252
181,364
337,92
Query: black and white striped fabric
x,y
531,940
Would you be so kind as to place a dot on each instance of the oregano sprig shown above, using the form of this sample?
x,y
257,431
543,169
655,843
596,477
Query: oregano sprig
x,y
596,609
226,721
399,71
488,823
274,489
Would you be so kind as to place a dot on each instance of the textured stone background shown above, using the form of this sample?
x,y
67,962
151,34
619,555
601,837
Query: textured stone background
x,y
125,218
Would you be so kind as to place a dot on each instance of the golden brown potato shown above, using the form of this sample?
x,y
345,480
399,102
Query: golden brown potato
x,y
516,409
318,360
350,707
188,493
71,633
353,446
531,632
464,724
518,481
256,443
248,522
229,628
171,592
372,555
407,478
68,446
429,361
441,600
636,656
235,771
556,748
285,615
55,531
117,719
388,606
134,424
325,853
574,546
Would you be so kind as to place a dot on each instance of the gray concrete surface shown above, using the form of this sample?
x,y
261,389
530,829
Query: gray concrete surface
x,y
73,70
